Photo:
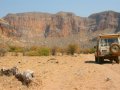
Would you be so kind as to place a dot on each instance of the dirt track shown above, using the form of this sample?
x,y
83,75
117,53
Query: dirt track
x,y
62,73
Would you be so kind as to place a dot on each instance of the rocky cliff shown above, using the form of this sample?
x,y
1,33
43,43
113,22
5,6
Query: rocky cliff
x,y
61,28
105,20
49,25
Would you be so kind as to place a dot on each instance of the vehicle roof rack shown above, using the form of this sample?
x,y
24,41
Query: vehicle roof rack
x,y
109,35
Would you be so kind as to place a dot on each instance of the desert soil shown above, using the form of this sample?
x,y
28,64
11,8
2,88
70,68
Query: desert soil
x,y
62,73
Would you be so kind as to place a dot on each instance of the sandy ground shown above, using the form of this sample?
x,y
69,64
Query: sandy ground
x,y
62,73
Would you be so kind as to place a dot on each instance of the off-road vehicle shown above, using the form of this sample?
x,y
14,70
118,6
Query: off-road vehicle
x,y
108,47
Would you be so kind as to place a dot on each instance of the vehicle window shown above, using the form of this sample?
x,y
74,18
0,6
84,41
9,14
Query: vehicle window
x,y
109,41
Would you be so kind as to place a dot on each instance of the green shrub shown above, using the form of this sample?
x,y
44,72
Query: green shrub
x,y
88,50
15,49
42,51
72,48
32,53
92,50
11,48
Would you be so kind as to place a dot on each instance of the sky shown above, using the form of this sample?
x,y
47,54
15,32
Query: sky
x,y
80,7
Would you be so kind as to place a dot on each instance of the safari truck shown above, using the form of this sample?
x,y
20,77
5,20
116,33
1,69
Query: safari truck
x,y
108,47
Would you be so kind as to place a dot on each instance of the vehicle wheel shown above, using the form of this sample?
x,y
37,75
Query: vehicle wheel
x,y
96,59
114,48
117,60
99,60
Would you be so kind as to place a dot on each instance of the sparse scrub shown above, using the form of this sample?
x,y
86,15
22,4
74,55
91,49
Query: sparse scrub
x,y
15,49
86,51
54,51
32,53
61,50
92,50
72,48
3,50
25,50
12,48
34,48
58,51
42,51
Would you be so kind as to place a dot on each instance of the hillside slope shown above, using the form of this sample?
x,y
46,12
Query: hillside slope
x,y
62,28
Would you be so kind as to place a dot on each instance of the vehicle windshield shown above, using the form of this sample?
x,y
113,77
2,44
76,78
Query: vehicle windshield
x,y
108,41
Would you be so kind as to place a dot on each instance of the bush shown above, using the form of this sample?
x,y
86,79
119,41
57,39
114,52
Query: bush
x,y
15,49
25,49
92,50
54,50
2,51
39,52
62,50
44,51
72,48
33,48
86,51
32,53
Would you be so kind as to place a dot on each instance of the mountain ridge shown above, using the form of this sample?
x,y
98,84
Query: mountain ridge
x,y
44,28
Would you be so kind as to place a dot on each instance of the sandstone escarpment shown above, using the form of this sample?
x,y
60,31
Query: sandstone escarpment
x,y
61,28
105,20
48,25
7,30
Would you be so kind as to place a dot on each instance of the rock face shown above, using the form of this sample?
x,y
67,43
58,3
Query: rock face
x,y
105,20
8,34
61,28
48,25
6,29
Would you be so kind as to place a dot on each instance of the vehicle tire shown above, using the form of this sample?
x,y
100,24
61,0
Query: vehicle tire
x,y
96,59
99,60
114,48
117,60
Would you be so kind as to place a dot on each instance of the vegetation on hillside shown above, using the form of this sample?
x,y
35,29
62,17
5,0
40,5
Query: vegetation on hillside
x,y
71,49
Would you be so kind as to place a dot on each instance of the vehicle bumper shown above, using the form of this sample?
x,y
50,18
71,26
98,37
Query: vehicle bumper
x,y
110,56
